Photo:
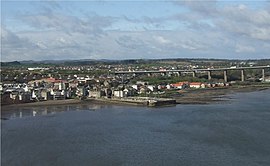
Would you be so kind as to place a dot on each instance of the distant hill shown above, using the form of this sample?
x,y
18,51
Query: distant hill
x,y
14,63
83,62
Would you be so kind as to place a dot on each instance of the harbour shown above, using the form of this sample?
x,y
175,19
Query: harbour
x,y
135,83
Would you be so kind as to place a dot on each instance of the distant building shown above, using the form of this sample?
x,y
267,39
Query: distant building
x,y
161,87
179,85
81,91
151,87
195,85
37,68
46,95
141,83
118,93
267,79
59,95
96,93
134,87
129,92
168,86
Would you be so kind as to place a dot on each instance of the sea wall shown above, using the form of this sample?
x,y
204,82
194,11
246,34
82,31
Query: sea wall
x,y
146,101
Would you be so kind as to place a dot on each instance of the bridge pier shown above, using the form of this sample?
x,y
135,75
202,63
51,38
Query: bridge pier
x,y
193,74
178,74
209,75
123,78
242,76
263,75
225,76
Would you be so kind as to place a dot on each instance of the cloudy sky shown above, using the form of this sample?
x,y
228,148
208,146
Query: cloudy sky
x,y
55,30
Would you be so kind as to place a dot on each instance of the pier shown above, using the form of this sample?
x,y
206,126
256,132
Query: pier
x,y
144,101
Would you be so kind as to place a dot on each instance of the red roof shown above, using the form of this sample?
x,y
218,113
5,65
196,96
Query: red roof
x,y
51,79
179,84
195,83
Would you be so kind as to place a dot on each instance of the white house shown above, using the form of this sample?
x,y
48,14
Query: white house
x,y
118,93
168,86
195,85
95,93
151,87
134,87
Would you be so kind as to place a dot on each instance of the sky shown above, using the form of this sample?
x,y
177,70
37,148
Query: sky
x,y
62,30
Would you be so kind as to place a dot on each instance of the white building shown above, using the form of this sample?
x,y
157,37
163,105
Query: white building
x,y
151,87
118,93
195,85
168,86
135,87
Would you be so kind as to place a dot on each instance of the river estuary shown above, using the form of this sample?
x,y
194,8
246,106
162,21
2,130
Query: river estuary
x,y
235,132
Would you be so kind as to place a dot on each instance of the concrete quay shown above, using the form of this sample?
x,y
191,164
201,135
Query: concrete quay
x,y
145,101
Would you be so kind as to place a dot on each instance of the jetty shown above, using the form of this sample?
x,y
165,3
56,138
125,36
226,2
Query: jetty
x,y
145,101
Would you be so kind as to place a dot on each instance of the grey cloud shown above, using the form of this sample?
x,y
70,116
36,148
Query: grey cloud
x,y
192,45
10,39
93,24
233,20
231,32
14,47
241,21
242,13
206,8
47,6
129,42
124,45
131,19
199,10
195,18
53,16
244,49
45,45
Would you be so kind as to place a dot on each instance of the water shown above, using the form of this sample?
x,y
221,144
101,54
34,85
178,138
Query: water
x,y
232,133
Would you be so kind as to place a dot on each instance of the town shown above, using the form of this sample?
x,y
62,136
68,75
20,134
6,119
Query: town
x,y
36,82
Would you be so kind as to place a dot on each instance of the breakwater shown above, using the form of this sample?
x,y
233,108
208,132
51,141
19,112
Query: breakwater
x,y
145,101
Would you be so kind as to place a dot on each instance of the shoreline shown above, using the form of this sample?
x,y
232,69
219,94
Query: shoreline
x,y
45,103
214,95
189,96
